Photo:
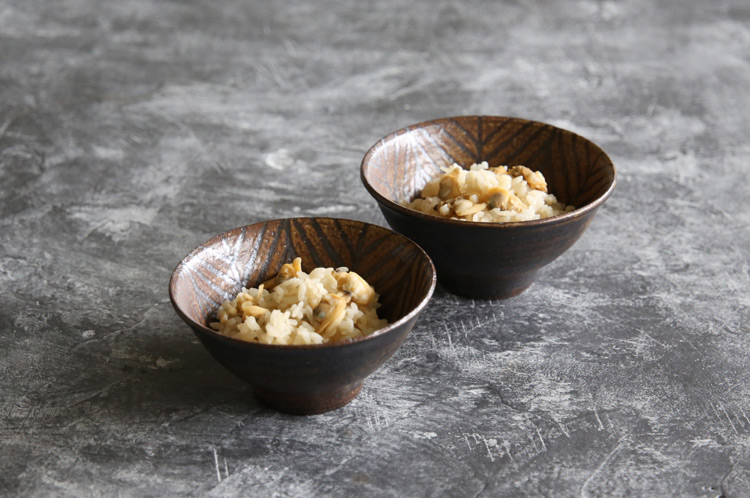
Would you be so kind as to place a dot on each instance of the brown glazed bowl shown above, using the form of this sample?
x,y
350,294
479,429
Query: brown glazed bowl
x,y
304,379
488,260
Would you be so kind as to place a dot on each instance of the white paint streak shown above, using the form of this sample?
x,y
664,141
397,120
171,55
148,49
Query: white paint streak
x,y
116,222
450,341
584,492
687,340
596,414
162,363
506,446
424,435
279,160
700,443
564,430
533,443
339,208
654,340
728,418
4,127
745,416
487,445
216,462
539,433
716,413
108,153
609,422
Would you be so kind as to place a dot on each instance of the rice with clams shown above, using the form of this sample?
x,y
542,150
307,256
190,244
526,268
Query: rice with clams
x,y
297,308
497,195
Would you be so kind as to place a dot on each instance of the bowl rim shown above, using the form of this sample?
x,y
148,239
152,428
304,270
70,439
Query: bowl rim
x,y
485,225
391,327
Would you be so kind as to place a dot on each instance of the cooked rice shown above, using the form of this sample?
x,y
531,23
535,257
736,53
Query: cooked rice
x,y
485,194
298,308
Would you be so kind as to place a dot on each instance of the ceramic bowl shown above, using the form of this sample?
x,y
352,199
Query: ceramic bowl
x,y
488,260
304,379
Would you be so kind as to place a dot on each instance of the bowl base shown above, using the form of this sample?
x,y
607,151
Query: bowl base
x,y
308,403
490,287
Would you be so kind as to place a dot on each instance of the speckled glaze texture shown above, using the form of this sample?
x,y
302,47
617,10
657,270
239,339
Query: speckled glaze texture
x,y
488,260
304,379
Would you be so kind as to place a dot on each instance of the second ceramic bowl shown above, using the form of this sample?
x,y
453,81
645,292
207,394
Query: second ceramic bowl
x,y
488,260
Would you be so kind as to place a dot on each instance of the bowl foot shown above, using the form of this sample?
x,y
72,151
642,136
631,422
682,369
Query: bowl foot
x,y
308,403
486,287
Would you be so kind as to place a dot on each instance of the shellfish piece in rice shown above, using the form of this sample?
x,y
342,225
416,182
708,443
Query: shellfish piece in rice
x,y
298,308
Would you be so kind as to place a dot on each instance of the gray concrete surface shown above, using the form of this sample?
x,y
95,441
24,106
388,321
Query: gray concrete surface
x,y
131,131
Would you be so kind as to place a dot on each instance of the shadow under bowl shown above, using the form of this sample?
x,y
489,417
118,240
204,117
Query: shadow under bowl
x,y
315,378
488,260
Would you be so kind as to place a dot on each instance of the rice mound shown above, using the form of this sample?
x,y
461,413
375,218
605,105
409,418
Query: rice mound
x,y
496,195
297,308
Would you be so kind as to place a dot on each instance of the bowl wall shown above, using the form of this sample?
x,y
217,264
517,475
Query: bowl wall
x,y
305,380
484,263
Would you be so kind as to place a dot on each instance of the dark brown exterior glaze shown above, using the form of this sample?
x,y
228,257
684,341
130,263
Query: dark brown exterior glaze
x,y
488,260
304,379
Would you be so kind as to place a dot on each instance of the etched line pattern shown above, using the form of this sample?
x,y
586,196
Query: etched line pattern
x,y
375,416
496,448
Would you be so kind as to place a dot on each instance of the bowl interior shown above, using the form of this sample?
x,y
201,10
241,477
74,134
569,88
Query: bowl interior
x,y
577,171
397,268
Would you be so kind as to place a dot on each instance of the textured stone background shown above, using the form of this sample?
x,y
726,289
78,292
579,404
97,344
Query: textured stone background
x,y
131,131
